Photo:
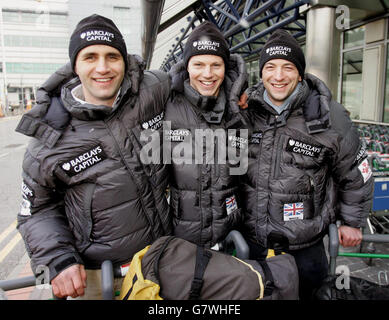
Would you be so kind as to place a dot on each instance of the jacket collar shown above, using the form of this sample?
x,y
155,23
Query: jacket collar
x,y
87,111
212,108
313,98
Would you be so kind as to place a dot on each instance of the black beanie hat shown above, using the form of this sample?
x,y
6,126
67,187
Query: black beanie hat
x,y
206,39
282,45
92,30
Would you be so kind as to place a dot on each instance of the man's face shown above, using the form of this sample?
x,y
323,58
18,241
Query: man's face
x,y
101,71
206,74
280,77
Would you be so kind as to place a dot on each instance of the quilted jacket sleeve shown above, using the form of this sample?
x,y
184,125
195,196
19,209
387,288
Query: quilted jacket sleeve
x,y
41,220
351,171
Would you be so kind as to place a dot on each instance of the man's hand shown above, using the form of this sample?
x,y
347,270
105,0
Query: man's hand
x,y
243,101
70,282
349,237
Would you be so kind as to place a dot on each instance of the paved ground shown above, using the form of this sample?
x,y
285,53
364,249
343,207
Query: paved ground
x,y
375,270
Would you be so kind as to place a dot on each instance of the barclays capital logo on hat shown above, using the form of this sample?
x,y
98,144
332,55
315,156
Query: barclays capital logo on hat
x,y
206,44
97,35
278,50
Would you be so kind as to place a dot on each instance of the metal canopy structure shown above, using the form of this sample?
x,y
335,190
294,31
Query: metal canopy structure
x,y
246,24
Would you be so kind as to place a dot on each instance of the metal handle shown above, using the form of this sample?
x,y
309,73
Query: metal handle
x,y
18,283
333,246
378,238
241,246
107,280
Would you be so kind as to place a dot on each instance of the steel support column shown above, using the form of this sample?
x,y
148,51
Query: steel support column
x,y
322,57
151,12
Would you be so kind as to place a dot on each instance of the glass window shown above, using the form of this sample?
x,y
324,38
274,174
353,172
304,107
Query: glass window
x,y
43,68
253,71
58,19
121,18
352,82
33,17
37,42
11,16
386,101
28,17
354,37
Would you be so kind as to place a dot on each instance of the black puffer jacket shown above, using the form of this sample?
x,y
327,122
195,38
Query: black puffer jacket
x,y
307,166
204,201
87,195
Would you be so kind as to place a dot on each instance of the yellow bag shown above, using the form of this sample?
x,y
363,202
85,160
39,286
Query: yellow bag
x,y
134,286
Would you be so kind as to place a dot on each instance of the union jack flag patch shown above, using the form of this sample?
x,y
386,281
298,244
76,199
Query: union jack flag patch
x,y
293,211
231,204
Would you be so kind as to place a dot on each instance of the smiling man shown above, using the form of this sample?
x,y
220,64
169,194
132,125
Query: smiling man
x,y
89,197
101,71
206,86
307,165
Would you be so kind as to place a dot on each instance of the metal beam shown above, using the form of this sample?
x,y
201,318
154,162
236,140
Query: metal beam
x,y
151,12
374,5
263,33
246,24
190,8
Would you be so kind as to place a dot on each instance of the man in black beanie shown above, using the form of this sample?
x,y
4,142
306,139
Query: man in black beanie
x,y
98,55
94,30
307,165
206,39
206,86
87,197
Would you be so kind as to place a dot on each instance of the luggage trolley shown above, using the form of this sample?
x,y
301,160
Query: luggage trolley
x,y
234,244
344,286
376,138
333,247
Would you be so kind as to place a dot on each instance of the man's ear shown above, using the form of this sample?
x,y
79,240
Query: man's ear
x,y
300,79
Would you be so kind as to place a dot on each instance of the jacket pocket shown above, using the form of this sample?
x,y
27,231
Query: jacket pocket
x,y
291,208
87,212
278,157
79,213
174,203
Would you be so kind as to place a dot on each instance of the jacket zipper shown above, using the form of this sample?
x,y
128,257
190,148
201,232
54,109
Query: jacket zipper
x,y
258,236
133,179
278,158
278,151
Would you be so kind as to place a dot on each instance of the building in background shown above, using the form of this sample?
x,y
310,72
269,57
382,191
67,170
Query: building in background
x,y
364,70
352,57
345,42
34,39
